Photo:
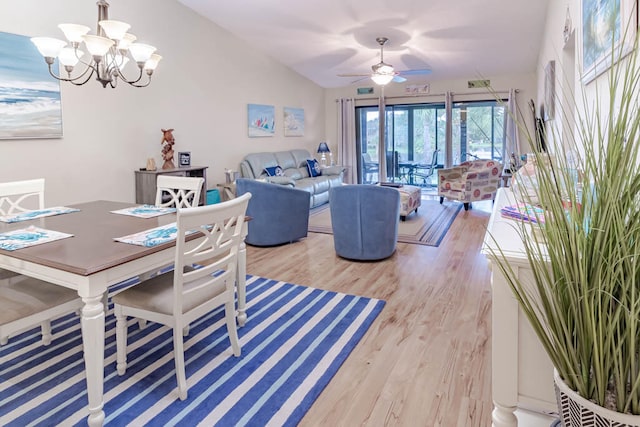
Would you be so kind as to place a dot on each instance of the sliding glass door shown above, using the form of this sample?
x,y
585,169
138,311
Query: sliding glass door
x,y
413,132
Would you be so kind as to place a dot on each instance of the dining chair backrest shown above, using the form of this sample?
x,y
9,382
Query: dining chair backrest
x,y
222,226
178,191
21,196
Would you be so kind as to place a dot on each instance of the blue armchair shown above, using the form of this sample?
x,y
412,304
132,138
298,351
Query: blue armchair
x,y
280,214
365,221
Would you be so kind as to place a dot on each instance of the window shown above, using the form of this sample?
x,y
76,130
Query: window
x,y
478,130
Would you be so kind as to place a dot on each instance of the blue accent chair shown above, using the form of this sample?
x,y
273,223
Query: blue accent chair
x,y
365,221
279,213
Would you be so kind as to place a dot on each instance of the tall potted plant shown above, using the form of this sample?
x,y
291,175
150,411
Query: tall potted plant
x,y
584,300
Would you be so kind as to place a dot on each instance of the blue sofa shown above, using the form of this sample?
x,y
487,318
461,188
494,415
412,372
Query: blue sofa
x,y
365,221
279,213
295,173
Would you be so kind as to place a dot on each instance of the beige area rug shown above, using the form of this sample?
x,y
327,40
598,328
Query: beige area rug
x,y
428,227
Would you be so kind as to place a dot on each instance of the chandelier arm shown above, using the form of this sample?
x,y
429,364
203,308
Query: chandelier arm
x,y
131,82
144,85
75,79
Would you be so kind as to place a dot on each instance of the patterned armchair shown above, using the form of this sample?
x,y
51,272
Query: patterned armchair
x,y
470,181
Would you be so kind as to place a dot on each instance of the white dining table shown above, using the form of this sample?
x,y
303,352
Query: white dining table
x,y
90,262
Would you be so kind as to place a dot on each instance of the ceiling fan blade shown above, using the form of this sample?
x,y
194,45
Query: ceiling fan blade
x,y
352,75
423,71
399,79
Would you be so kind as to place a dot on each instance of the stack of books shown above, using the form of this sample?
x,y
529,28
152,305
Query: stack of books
x,y
524,212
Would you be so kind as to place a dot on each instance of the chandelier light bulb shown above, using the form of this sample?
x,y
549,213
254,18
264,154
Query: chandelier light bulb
x,y
74,32
152,62
70,57
141,52
48,47
115,30
96,45
126,41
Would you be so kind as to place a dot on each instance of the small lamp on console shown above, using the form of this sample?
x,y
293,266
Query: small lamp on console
x,y
323,148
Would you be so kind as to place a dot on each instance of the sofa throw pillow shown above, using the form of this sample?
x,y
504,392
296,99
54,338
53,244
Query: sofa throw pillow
x,y
274,171
314,168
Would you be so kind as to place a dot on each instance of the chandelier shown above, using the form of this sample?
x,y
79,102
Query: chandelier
x,y
109,51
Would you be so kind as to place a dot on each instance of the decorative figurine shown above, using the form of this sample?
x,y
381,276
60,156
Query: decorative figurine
x,y
167,148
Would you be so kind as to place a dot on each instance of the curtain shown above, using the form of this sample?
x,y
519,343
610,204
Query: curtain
x,y
448,152
382,144
511,143
347,139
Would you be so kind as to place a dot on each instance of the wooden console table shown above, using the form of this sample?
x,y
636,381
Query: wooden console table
x,y
521,372
146,182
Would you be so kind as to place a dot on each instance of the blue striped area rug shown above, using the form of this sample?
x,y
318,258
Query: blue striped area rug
x,y
295,340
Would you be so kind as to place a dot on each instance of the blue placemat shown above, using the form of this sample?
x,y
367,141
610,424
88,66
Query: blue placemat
x,y
144,211
38,213
30,236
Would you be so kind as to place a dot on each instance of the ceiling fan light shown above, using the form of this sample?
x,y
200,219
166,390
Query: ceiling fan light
x,y
382,68
381,79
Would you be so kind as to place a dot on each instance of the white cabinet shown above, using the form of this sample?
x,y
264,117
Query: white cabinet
x,y
522,374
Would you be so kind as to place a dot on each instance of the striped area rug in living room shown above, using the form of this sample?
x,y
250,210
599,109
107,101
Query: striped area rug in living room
x,y
295,340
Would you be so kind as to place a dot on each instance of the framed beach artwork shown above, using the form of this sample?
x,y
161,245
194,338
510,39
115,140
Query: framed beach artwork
x,y
30,104
293,121
262,121
606,25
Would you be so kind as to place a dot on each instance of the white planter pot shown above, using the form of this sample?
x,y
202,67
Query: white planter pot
x,y
576,411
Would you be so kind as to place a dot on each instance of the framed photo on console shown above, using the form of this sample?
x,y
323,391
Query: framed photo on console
x,y
184,159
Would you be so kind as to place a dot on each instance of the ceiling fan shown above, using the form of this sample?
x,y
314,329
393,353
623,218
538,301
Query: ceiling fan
x,y
384,73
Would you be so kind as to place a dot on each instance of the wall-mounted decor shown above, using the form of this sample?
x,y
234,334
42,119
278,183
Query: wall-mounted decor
x,y
293,121
364,91
418,89
30,104
262,121
549,90
606,24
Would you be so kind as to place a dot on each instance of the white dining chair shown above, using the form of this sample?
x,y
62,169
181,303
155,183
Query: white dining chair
x,y
26,302
174,192
17,197
177,298
178,191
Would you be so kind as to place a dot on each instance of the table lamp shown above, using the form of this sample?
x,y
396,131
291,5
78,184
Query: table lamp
x,y
324,149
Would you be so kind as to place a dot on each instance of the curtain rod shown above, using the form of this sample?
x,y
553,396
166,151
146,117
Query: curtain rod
x,y
433,94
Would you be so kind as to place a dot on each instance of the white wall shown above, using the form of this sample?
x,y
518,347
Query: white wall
x,y
201,89
526,83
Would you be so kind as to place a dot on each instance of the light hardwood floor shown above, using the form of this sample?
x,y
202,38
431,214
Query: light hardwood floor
x,y
426,360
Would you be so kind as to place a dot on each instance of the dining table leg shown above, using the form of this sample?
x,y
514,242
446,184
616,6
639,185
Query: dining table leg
x,y
241,281
92,321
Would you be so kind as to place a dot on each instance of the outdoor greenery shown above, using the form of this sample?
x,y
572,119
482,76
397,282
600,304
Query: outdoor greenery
x,y
584,302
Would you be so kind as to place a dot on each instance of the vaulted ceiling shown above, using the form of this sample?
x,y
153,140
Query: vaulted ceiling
x,y
320,39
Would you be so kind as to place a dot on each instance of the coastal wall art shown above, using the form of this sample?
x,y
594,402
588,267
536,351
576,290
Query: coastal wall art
x,y
30,104
293,121
606,25
261,120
